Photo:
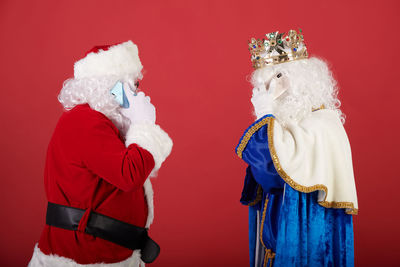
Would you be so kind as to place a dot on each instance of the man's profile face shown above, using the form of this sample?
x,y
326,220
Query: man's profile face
x,y
133,86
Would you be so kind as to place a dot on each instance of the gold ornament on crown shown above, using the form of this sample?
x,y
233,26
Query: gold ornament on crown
x,y
277,48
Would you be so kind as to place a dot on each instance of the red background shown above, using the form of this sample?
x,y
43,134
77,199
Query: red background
x,y
196,69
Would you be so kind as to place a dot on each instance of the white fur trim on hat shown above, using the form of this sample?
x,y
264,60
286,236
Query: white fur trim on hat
x,y
120,60
39,259
152,138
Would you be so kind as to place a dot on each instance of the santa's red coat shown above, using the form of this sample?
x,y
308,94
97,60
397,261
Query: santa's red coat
x,y
89,167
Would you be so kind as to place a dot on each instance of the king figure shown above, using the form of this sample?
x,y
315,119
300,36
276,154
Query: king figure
x,y
299,183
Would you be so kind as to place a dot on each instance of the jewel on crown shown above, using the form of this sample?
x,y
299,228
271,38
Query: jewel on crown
x,y
277,48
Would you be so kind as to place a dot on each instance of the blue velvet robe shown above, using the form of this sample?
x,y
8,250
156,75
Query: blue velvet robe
x,y
294,229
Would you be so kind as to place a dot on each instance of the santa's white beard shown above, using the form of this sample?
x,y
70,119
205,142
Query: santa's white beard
x,y
121,122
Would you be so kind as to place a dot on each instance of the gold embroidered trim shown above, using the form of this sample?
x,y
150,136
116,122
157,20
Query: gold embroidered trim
x,y
258,197
255,128
299,187
321,107
268,252
269,255
263,220
249,134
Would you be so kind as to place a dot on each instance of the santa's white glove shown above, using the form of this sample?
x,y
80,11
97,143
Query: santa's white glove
x,y
143,131
140,109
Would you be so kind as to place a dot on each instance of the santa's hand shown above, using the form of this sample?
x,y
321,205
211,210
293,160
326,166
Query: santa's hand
x,y
143,131
140,109
262,102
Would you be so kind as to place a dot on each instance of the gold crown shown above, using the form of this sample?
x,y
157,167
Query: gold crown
x,y
277,48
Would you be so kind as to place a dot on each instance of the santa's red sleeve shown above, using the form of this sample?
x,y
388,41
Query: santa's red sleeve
x,y
106,155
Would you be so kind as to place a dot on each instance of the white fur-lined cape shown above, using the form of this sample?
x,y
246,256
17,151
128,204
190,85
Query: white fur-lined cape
x,y
313,155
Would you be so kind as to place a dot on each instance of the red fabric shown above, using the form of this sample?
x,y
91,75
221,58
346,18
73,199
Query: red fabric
x,y
96,49
89,167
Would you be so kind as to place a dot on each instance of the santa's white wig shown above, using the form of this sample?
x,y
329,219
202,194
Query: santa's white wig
x,y
97,73
310,85
95,91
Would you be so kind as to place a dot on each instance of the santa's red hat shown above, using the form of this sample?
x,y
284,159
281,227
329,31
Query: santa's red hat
x,y
119,60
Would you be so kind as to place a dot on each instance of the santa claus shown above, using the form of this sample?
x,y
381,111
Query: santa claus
x,y
103,150
299,184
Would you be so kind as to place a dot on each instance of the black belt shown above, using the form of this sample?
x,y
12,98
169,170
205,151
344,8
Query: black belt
x,y
104,227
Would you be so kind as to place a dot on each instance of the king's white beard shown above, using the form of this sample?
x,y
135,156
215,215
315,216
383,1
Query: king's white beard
x,y
309,84
289,112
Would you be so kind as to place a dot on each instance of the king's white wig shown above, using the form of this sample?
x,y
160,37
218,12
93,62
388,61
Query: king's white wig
x,y
95,91
310,84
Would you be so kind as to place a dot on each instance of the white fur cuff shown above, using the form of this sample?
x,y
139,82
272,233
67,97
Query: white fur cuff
x,y
39,259
152,138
